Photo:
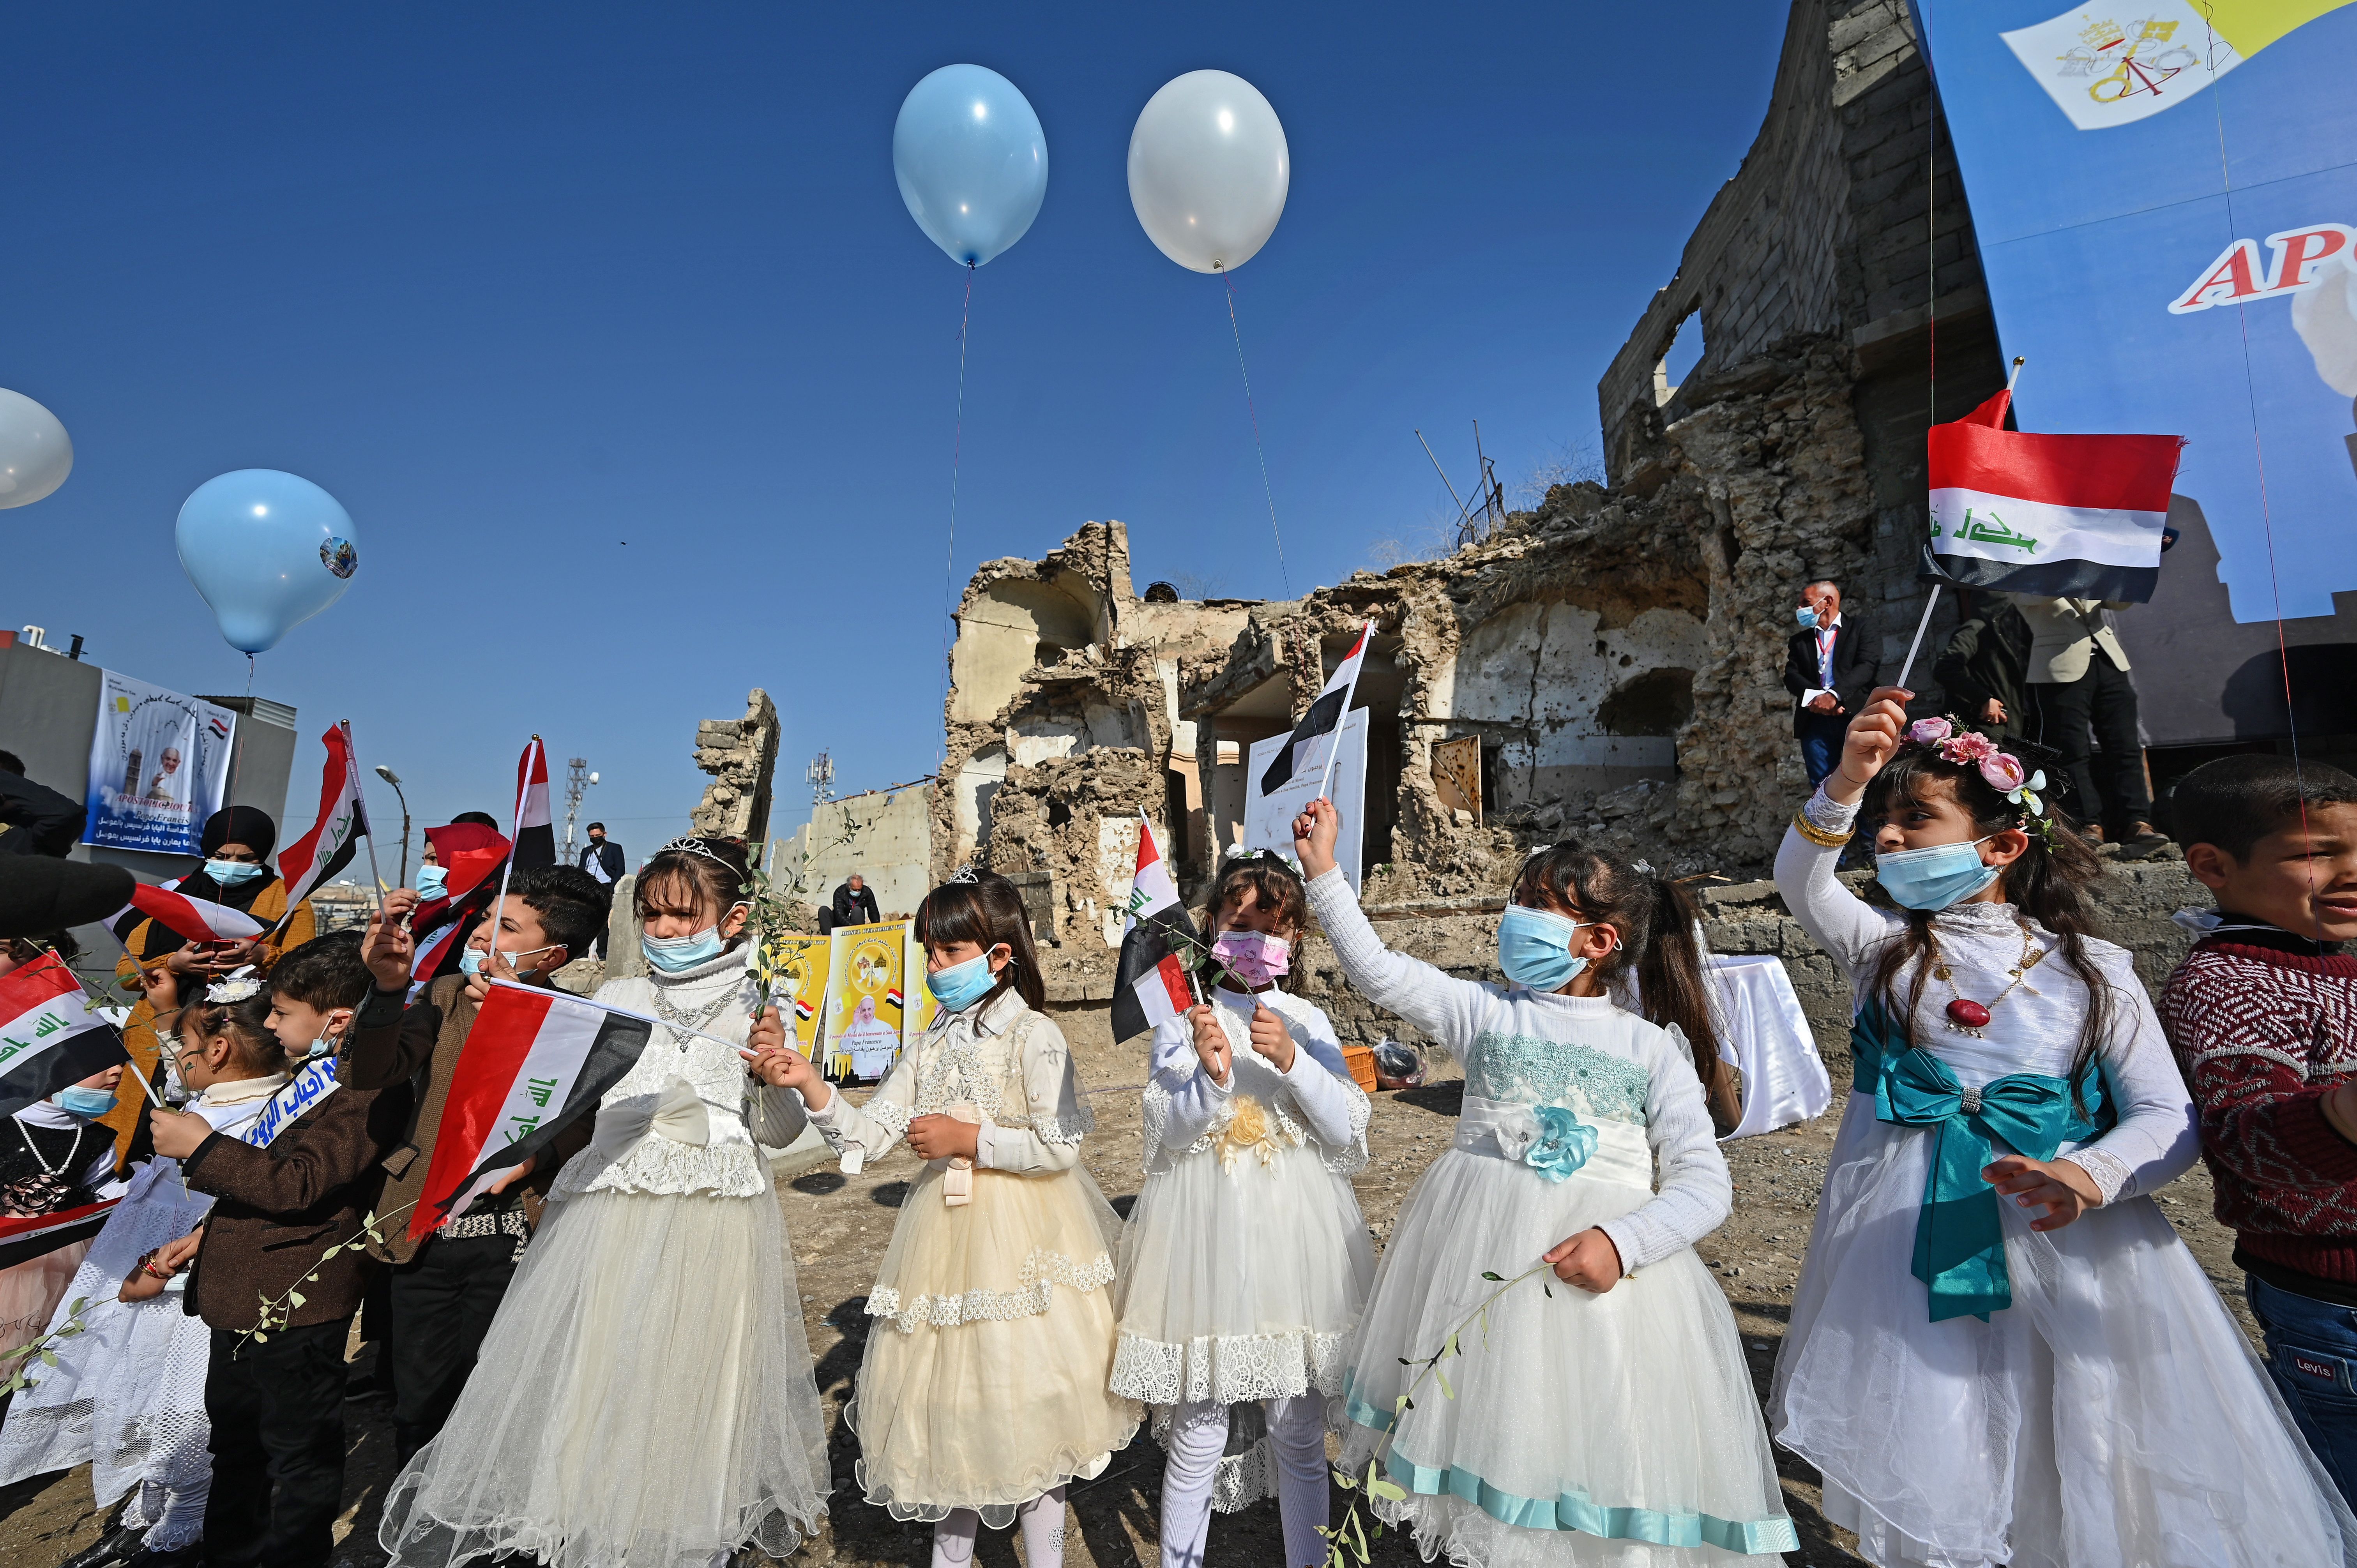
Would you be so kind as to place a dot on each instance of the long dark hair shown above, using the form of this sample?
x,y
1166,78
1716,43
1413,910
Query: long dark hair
x,y
986,911
2048,884
1656,919
715,869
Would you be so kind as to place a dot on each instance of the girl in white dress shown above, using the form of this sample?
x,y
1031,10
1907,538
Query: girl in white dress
x,y
1245,1262
2000,1352
1612,1422
127,1395
644,1396
983,1390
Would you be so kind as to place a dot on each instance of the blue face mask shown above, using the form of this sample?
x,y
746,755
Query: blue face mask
x,y
671,954
1807,618
472,960
961,985
1534,948
1936,877
85,1103
433,882
230,873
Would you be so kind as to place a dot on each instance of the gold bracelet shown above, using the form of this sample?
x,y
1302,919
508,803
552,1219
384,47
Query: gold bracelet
x,y
1817,835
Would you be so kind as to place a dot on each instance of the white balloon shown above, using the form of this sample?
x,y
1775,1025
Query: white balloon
x,y
35,455
1209,170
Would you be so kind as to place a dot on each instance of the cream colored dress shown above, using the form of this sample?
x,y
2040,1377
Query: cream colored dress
x,y
985,1378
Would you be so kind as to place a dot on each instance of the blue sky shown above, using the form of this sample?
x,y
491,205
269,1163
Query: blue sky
x,y
520,285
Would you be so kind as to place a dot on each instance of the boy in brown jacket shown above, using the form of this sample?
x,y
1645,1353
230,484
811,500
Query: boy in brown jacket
x,y
301,1179
447,1286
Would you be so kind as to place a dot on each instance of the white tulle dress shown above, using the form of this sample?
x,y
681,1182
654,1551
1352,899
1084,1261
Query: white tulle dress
x,y
1615,1428
2112,1415
127,1395
644,1397
1245,1262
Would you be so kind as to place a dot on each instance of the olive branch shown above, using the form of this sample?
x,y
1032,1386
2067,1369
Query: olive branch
x,y
276,1315
1347,1542
41,1350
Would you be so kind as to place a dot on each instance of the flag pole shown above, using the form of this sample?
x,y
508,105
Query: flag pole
x,y
1931,600
352,761
507,868
1366,633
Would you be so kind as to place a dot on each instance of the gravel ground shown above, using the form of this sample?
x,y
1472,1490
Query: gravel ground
x,y
839,1226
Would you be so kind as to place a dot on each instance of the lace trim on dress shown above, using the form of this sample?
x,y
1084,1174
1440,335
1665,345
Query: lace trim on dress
x,y
1065,1467
1052,1129
1826,814
2110,1173
1230,1368
1042,1272
1525,1069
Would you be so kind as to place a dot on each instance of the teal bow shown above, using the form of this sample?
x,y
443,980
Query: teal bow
x,y
1959,1237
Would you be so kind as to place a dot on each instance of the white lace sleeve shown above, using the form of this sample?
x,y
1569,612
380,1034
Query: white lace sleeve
x,y
2157,1136
1059,1117
862,1132
1844,924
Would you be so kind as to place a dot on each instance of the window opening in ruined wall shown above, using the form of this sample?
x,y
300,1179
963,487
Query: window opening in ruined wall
x,y
1679,356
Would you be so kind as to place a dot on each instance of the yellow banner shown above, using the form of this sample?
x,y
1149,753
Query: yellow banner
x,y
865,998
799,968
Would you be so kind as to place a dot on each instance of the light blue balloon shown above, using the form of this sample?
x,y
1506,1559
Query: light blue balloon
x,y
268,551
971,160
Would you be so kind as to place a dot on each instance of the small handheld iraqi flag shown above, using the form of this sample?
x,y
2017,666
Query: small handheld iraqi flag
x,y
192,920
1312,749
329,847
535,1061
49,1038
1150,984
2055,516
535,835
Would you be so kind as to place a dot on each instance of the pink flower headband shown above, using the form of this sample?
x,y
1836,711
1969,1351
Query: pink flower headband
x,y
1970,748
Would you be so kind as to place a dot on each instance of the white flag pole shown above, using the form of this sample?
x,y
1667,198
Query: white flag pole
x,y
1931,599
507,868
1366,635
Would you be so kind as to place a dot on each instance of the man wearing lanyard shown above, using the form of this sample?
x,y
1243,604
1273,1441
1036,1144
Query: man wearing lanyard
x,y
1830,666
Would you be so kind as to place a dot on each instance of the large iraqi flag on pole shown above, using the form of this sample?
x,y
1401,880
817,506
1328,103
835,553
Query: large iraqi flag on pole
x,y
2059,516
1312,747
1150,983
334,838
49,1037
535,1061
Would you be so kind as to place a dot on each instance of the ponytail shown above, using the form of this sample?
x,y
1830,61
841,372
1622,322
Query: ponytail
x,y
1669,978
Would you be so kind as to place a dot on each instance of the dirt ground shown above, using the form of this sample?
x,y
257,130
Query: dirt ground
x,y
839,1226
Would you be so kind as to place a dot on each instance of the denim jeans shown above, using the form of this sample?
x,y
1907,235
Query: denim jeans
x,y
1821,752
2312,1355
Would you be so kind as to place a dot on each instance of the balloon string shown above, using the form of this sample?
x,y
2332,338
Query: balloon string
x,y
949,561
1258,450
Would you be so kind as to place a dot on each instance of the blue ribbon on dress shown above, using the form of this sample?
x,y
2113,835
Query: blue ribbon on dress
x,y
1959,1235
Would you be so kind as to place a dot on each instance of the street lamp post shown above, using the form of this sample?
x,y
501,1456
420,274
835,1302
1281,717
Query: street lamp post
x,y
390,777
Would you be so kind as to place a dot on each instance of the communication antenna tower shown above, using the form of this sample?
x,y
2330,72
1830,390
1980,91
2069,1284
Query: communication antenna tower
x,y
578,779
820,775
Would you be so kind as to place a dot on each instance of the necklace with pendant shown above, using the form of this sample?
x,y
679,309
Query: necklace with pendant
x,y
1966,1017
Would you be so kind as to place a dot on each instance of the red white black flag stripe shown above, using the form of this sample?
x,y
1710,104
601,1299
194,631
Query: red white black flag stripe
x,y
194,919
535,835
49,1037
38,1235
1313,737
536,1060
1150,984
329,847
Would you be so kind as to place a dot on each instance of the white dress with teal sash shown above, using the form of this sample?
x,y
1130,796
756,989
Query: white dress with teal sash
x,y
1974,1392
1615,1428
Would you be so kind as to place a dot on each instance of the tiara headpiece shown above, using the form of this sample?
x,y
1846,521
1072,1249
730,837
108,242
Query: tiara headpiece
x,y
235,986
691,845
964,876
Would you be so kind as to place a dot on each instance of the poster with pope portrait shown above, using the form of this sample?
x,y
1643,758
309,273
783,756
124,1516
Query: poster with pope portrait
x,y
866,998
158,766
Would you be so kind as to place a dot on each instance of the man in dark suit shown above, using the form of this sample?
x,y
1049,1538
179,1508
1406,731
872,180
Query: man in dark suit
x,y
1831,665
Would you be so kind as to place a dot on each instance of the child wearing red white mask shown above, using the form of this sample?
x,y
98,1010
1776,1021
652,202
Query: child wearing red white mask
x,y
1245,1263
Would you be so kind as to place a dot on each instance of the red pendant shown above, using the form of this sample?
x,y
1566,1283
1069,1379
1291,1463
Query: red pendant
x,y
1968,1013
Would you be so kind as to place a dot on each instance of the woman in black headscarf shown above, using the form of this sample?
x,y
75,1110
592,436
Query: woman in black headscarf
x,y
165,970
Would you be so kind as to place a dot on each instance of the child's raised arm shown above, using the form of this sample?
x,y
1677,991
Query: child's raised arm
x,y
1447,1008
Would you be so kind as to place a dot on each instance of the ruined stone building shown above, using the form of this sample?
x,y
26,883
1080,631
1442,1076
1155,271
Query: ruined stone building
x,y
1609,664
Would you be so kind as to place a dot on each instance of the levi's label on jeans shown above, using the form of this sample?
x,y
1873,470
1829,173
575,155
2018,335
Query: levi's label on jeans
x,y
2315,1367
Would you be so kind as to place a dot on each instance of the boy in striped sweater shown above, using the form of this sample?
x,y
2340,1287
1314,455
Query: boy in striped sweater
x,y
2263,1018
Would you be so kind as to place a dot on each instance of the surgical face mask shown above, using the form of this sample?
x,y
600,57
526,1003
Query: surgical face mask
x,y
671,954
474,960
84,1101
1936,877
433,882
1255,958
1807,618
1534,948
230,873
961,985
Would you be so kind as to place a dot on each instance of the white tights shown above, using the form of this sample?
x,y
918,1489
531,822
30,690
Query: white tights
x,y
1199,1435
1041,1520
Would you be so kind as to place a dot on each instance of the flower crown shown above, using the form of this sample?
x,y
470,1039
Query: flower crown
x,y
235,986
2002,770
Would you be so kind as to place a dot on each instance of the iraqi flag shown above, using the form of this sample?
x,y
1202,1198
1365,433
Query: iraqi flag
x,y
49,1038
535,836
192,920
37,1235
329,847
471,857
1150,984
2054,516
535,1061
1313,737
